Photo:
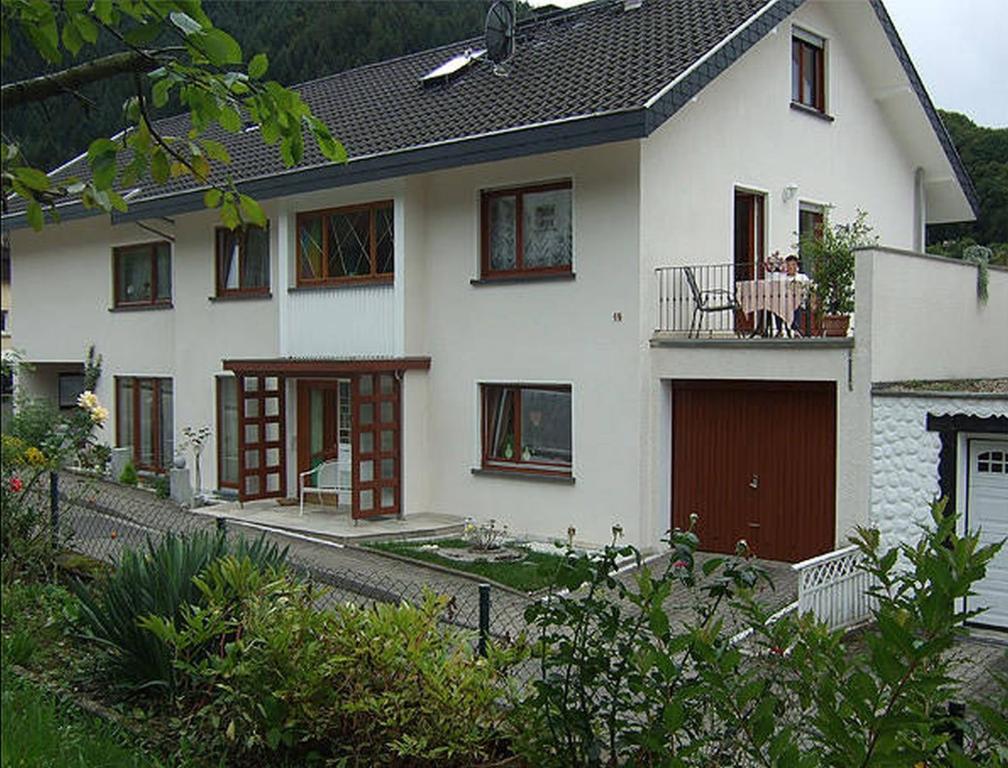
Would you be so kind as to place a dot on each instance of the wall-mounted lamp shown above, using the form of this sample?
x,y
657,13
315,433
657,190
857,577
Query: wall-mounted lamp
x,y
789,192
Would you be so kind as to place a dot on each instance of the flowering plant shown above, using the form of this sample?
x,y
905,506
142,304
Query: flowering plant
x,y
41,439
484,536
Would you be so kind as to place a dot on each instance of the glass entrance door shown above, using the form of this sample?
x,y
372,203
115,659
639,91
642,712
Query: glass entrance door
x,y
323,422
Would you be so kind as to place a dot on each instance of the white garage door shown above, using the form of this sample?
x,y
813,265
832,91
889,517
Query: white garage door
x,y
987,500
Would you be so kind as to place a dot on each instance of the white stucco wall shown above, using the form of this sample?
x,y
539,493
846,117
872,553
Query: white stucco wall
x,y
555,332
928,322
741,132
63,295
905,457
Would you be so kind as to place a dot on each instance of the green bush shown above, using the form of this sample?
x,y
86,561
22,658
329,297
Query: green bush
x,y
389,685
162,487
129,476
159,580
623,684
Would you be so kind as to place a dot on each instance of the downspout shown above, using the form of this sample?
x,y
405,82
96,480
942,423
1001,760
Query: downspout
x,y
920,217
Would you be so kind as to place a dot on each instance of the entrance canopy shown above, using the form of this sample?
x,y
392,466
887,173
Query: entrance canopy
x,y
375,415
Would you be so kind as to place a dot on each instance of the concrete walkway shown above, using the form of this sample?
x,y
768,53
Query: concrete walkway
x,y
335,523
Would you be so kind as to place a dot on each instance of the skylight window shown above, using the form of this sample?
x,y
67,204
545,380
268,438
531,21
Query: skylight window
x,y
453,66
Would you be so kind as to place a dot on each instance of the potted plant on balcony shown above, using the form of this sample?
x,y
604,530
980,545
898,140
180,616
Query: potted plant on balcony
x,y
829,259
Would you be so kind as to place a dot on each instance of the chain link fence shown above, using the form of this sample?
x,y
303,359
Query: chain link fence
x,y
102,519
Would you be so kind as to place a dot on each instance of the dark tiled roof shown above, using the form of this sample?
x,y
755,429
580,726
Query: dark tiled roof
x,y
589,75
595,59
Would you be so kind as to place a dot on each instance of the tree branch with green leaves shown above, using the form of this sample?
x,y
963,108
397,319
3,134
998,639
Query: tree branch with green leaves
x,y
203,69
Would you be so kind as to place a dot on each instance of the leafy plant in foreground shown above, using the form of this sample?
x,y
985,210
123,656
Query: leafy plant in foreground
x,y
269,676
627,681
158,579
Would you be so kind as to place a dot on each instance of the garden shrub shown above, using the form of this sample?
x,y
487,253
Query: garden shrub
x,y
622,684
129,475
389,685
158,579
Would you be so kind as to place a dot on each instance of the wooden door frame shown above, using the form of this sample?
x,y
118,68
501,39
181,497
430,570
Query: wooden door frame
x,y
304,386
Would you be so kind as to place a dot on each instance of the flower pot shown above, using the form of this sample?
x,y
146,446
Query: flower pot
x,y
835,325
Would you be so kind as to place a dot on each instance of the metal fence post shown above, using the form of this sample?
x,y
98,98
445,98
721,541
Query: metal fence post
x,y
484,618
54,506
957,711
221,524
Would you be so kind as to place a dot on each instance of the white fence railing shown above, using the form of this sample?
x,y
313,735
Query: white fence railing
x,y
834,588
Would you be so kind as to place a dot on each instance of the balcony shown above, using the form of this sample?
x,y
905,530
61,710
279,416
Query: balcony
x,y
742,303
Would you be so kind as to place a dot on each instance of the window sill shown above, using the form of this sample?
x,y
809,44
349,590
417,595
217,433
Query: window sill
x,y
521,474
249,296
526,278
141,307
364,282
811,111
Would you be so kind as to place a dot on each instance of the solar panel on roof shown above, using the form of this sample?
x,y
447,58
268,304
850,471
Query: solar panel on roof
x,y
453,66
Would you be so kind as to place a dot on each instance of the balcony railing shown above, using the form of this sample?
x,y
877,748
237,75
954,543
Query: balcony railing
x,y
737,301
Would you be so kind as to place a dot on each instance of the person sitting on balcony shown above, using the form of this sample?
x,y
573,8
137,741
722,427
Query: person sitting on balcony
x,y
793,274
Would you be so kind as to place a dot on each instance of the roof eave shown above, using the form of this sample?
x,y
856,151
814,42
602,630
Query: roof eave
x,y
963,177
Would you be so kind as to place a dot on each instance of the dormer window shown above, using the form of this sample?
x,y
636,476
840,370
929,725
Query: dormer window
x,y
808,70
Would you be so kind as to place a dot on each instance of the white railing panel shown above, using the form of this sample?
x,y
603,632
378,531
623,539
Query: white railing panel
x,y
834,588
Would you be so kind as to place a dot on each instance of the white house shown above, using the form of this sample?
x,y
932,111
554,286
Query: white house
x,y
487,309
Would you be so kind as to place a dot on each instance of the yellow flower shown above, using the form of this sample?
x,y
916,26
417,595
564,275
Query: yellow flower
x,y
99,414
34,456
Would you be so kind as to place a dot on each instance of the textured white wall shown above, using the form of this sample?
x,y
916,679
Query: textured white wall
x,y
905,457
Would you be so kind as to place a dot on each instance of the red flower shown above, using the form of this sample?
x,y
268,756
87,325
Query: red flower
x,y
15,484
679,564
776,650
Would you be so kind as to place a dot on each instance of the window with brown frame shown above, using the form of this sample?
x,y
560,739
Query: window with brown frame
x,y
810,223
527,230
808,70
243,264
144,420
142,274
527,428
346,245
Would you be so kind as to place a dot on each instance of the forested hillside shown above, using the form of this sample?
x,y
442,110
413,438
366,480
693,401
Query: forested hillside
x,y
304,40
984,152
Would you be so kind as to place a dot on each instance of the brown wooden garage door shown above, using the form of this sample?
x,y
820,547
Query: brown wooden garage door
x,y
756,461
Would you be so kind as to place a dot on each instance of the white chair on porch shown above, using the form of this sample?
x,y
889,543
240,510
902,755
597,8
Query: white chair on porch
x,y
333,476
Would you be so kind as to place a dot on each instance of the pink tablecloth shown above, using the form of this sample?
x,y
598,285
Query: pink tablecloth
x,y
782,297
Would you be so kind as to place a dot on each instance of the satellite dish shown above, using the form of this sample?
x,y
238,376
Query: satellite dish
x,y
500,37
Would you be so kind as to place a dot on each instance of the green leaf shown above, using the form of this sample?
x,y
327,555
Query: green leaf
x,y
212,198
229,215
229,119
117,201
32,177
258,65
86,28
72,40
220,47
144,34
215,151
100,147
105,11
160,170
34,215
251,211
160,90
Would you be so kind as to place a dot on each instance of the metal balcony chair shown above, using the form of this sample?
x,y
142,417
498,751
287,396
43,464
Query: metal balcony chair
x,y
708,302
